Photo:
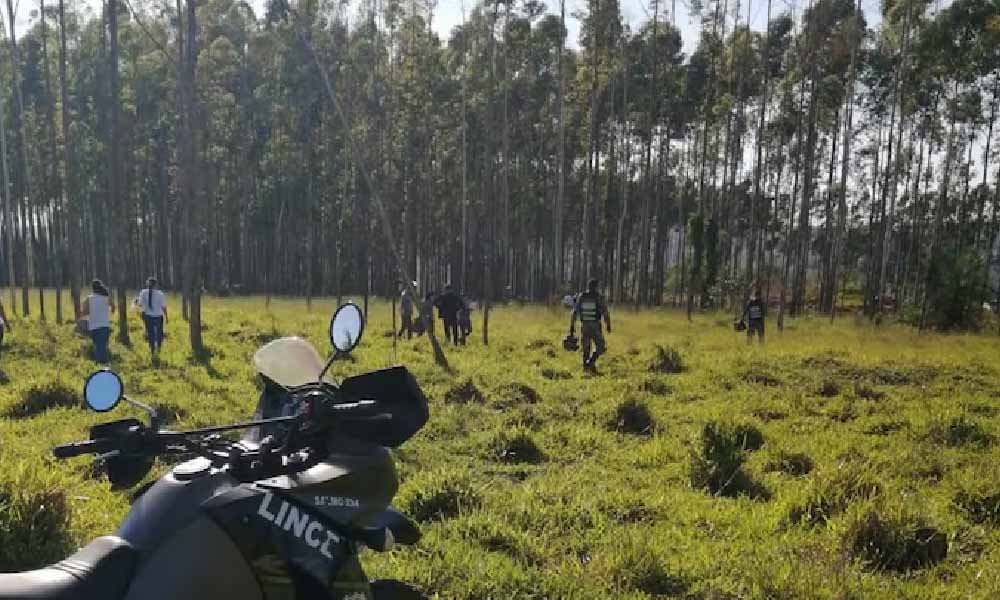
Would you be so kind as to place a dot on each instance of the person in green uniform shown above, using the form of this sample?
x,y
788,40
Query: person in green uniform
x,y
753,313
591,308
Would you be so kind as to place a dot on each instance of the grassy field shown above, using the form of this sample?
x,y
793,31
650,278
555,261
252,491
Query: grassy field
x,y
836,461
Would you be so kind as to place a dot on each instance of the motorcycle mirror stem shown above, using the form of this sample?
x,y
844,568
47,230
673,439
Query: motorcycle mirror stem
x,y
336,354
154,417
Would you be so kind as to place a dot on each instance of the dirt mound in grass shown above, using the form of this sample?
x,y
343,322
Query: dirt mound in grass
x,y
465,392
518,393
516,446
632,416
438,495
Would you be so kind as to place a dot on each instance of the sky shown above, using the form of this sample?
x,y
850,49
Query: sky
x,y
448,14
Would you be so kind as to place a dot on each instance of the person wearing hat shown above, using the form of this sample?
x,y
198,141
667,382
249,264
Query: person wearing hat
x,y
153,303
591,309
97,308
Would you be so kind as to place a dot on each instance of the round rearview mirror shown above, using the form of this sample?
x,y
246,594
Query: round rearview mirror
x,y
346,327
103,390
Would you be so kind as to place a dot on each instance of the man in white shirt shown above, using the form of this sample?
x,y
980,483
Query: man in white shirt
x,y
153,303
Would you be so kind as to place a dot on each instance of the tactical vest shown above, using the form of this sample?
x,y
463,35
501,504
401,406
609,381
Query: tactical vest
x,y
755,312
590,309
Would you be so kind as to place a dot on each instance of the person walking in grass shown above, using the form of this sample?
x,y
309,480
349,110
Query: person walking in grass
x,y
465,319
406,312
427,315
97,308
4,324
753,315
591,308
449,304
153,303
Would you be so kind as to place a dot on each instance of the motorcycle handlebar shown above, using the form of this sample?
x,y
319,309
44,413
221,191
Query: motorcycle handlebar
x,y
85,447
326,413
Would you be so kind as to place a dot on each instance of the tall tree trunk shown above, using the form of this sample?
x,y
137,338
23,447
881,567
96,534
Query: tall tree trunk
x,y
439,356
757,199
844,165
188,173
117,202
8,212
55,200
24,190
559,274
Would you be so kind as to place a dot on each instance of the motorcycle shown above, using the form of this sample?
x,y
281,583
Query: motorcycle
x,y
281,514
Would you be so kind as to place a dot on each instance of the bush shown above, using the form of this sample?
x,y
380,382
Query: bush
x,y
982,508
895,544
956,290
829,389
632,416
794,464
831,493
959,431
656,387
667,360
633,565
34,522
438,495
716,464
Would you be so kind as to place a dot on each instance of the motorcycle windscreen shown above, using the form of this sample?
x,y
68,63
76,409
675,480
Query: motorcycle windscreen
x,y
397,394
289,362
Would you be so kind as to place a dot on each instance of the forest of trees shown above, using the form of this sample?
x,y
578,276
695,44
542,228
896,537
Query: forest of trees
x,y
235,152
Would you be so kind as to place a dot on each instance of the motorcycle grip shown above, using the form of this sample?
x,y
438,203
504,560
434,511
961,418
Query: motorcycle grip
x,y
74,449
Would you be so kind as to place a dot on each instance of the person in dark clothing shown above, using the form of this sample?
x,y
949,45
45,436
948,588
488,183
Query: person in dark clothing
x,y
591,309
754,316
427,315
465,319
4,324
406,312
449,304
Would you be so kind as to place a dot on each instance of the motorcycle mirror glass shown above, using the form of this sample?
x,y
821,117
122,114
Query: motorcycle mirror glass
x,y
346,327
103,390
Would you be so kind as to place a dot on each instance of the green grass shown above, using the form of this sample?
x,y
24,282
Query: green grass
x,y
836,461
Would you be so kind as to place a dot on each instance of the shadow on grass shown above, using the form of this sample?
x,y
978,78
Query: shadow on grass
x,y
41,398
203,357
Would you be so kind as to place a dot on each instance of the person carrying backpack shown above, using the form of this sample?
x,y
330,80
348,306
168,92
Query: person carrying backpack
x,y
753,314
591,308
154,312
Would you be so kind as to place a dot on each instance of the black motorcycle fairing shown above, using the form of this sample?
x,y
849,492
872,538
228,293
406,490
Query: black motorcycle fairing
x,y
404,531
282,538
101,569
397,393
170,504
199,561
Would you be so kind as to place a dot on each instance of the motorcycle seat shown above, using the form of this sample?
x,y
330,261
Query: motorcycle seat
x,y
100,570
